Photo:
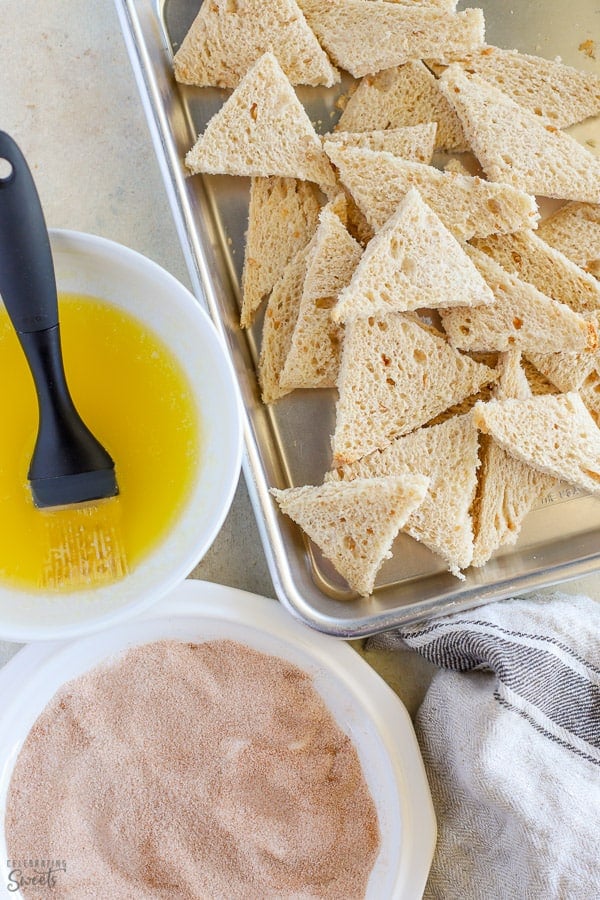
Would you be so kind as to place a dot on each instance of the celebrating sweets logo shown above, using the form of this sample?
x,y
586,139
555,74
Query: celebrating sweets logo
x,y
35,874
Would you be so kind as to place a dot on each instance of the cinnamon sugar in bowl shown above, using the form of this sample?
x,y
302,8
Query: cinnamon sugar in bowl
x,y
212,748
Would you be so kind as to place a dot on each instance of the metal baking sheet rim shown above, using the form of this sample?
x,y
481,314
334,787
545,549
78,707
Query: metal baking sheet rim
x,y
150,56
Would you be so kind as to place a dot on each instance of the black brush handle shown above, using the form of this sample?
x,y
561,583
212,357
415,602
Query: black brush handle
x,y
65,445
27,282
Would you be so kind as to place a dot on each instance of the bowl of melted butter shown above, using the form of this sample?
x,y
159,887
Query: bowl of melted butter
x,y
150,376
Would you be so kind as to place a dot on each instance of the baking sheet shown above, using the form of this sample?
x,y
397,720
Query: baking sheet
x,y
288,442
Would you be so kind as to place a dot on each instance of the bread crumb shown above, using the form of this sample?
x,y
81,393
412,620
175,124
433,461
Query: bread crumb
x,y
589,48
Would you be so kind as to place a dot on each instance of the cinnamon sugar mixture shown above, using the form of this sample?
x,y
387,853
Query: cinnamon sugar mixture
x,y
193,771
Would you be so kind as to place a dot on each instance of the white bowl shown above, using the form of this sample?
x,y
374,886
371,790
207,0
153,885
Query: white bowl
x,y
86,264
360,701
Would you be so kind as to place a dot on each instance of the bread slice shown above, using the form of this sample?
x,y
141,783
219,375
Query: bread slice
x,y
550,271
415,142
568,371
538,383
590,394
411,263
574,229
507,488
225,39
468,207
279,323
355,523
262,129
546,87
448,5
282,218
313,359
447,455
396,375
517,147
365,36
553,433
401,96
521,317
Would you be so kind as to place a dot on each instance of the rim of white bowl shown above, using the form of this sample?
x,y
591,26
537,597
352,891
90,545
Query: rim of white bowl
x,y
95,245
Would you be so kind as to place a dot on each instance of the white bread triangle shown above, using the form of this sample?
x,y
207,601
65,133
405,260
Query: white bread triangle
x,y
546,87
521,318
262,129
415,142
447,455
517,147
590,394
400,96
507,489
525,254
411,263
225,39
365,36
282,218
554,433
468,207
396,375
574,229
355,524
313,359
278,326
566,371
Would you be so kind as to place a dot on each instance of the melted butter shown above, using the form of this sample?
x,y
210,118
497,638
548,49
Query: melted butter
x,y
133,395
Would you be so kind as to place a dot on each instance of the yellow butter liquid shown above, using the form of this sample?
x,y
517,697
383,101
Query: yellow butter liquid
x,y
135,398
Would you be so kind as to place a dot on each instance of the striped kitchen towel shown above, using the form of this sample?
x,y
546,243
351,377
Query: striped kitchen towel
x,y
510,735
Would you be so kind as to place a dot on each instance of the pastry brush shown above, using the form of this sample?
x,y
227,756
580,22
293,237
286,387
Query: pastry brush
x,y
71,475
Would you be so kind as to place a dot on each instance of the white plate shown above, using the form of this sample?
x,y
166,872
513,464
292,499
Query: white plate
x,y
362,704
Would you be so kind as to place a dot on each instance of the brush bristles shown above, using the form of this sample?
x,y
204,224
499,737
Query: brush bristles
x,y
84,546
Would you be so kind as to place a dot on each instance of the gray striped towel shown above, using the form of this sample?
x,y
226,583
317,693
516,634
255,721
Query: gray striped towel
x,y
510,735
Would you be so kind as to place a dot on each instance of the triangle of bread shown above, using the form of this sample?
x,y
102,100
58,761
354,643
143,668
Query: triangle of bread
x,y
517,147
447,455
314,356
365,36
530,258
262,129
278,326
411,263
546,87
225,39
355,523
521,318
401,96
590,394
396,375
282,218
468,207
574,229
414,142
507,489
554,433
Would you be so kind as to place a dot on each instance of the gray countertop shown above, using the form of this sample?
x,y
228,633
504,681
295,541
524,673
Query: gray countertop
x,y
68,96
